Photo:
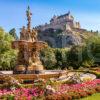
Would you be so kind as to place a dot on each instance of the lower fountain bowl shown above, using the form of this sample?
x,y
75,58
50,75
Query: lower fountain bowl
x,y
35,70
20,69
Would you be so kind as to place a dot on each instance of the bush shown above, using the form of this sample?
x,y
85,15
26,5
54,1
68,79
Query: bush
x,y
54,58
48,58
61,57
92,51
75,57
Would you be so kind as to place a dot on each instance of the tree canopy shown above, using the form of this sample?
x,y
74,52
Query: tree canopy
x,y
13,33
7,54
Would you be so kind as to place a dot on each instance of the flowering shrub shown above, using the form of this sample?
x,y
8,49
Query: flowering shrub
x,y
75,91
22,94
48,92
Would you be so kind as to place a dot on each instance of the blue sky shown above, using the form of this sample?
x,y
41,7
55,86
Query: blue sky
x,y
12,12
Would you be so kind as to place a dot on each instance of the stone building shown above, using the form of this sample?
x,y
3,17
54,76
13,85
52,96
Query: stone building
x,y
60,22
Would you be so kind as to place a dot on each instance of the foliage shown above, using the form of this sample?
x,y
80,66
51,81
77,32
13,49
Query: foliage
x,y
13,33
61,57
57,32
63,92
54,58
7,55
86,55
91,52
48,58
75,57
75,91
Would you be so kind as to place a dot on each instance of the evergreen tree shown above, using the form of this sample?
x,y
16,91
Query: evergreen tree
x,y
13,33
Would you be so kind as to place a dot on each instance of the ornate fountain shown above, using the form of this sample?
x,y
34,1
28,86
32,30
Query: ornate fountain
x,y
28,61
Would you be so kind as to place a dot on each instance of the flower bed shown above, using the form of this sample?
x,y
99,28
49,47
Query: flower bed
x,y
76,91
21,94
47,92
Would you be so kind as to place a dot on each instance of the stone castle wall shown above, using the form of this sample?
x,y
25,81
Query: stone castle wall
x,y
60,22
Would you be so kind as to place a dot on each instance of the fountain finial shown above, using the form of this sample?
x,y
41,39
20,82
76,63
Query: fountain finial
x,y
29,14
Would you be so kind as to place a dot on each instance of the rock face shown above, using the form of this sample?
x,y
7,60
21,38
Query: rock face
x,y
60,39
72,39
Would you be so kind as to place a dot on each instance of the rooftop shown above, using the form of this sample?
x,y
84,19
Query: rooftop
x,y
67,14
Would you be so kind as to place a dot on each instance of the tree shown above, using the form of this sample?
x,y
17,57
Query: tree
x,y
7,54
75,57
48,58
13,33
61,57
54,58
87,55
91,53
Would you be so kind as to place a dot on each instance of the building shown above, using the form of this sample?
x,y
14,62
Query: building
x,y
60,22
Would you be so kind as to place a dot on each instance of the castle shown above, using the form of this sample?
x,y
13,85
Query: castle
x,y
60,22
63,31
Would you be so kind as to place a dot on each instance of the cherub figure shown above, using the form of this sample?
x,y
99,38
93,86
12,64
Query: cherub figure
x,y
34,35
23,33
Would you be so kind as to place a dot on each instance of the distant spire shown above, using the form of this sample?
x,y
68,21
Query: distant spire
x,y
28,14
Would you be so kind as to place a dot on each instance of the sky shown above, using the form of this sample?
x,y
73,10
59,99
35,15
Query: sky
x,y
13,12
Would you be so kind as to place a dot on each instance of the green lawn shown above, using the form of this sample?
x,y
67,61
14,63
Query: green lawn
x,y
93,97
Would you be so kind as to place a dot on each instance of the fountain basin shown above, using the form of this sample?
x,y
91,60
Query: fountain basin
x,y
44,72
23,43
47,74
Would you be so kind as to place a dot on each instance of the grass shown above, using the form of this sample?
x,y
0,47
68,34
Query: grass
x,y
93,97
